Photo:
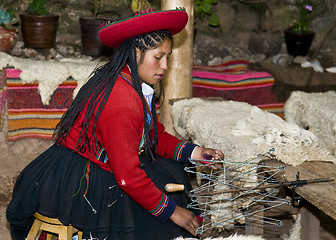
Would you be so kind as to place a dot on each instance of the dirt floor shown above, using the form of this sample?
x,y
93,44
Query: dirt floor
x,y
13,158
16,155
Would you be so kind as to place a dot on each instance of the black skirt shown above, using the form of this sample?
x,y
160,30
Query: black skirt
x,y
59,184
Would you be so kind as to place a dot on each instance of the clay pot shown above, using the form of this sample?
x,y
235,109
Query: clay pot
x,y
91,44
39,31
298,44
8,38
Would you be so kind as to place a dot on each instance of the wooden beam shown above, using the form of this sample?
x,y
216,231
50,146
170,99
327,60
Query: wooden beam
x,y
178,79
310,223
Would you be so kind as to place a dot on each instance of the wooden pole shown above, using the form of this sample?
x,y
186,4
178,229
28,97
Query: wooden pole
x,y
177,82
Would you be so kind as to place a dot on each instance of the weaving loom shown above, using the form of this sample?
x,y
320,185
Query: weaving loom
x,y
237,193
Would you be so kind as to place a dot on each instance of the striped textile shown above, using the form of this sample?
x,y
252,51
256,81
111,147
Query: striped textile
x,y
234,81
27,116
3,92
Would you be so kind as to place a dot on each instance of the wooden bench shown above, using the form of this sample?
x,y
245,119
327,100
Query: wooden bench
x,y
316,197
53,227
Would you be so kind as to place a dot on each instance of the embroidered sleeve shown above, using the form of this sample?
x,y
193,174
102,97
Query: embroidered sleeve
x,y
173,148
164,209
183,152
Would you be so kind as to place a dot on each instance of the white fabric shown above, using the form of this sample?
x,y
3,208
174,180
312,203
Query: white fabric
x,y
148,92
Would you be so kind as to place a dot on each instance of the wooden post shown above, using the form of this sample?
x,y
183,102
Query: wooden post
x,y
310,223
178,79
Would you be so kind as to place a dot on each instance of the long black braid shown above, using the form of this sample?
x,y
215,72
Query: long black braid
x,y
97,90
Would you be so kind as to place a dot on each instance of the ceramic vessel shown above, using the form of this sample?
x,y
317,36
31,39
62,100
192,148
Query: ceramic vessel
x,y
39,31
298,44
91,44
8,38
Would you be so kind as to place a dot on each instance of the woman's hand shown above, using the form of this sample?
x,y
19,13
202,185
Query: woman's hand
x,y
185,219
207,155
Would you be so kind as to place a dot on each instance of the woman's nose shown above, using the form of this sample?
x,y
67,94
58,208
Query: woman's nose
x,y
164,64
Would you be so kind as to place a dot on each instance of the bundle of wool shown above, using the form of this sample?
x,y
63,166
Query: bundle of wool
x,y
295,231
316,112
241,131
50,74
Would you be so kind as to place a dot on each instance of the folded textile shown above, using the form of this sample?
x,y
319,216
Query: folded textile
x,y
3,91
27,116
234,81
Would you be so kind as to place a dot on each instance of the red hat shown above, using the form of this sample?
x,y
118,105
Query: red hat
x,y
114,34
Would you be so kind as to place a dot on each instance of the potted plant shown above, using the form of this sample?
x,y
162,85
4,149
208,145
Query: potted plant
x,y
8,30
299,35
91,45
38,25
205,8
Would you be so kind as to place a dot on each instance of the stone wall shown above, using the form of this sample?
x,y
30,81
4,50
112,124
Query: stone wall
x,y
239,22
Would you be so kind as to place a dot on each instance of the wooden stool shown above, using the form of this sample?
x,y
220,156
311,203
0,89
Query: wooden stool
x,y
51,226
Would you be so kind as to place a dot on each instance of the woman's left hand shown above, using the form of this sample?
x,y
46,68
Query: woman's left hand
x,y
207,155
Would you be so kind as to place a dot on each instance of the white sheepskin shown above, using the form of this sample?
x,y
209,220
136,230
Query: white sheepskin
x,y
315,111
295,231
50,74
233,237
241,130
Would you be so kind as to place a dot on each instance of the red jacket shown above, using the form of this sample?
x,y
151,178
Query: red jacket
x,y
119,129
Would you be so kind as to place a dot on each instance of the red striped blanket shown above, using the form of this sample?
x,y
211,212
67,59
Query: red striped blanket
x,y
3,92
29,118
234,81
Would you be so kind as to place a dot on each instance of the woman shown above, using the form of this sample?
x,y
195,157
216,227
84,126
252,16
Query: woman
x,y
107,170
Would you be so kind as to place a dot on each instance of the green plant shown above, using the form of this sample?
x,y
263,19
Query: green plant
x,y
8,18
204,8
308,10
38,7
140,5
260,7
95,7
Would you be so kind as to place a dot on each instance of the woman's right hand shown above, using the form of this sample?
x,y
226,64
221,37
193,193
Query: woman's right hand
x,y
185,219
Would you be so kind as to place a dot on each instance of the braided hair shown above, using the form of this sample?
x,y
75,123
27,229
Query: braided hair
x,y
97,90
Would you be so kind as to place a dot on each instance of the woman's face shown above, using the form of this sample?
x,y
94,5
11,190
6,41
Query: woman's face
x,y
154,64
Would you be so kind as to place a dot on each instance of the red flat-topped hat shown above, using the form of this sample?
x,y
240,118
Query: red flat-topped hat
x,y
114,34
